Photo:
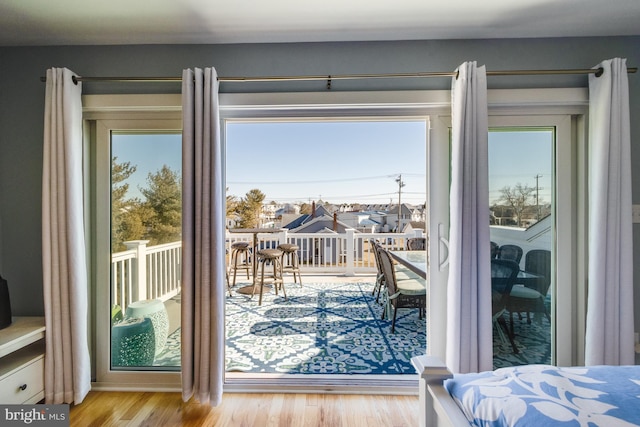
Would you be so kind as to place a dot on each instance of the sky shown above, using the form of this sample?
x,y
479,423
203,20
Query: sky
x,y
148,152
518,157
339,161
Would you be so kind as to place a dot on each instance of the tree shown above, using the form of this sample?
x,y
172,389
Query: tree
x,y
518,198
249,208
126,224
305,208
163,205
232,204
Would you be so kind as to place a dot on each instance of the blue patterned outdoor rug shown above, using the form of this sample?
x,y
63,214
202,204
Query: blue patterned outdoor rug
x,y
532,339
335,328
322,328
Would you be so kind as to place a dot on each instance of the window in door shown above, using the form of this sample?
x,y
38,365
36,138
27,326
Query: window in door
x,y
146,229
521,204
137,249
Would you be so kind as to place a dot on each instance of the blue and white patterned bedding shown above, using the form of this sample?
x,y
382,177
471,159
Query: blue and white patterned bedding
x,y
549,396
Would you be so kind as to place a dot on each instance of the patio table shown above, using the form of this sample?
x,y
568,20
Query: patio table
x,y
416,261
249,290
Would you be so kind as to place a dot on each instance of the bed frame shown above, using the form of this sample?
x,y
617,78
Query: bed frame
x,y
437,407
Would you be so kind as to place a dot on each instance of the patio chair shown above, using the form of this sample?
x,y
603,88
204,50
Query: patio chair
x,y
379,284
503,275
528,300
510,252
416,244
404,293
494,250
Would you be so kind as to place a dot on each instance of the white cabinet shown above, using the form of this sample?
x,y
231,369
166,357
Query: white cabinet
x,y
22,361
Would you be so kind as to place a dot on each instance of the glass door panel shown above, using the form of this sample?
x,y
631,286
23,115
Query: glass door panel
x,y
146,210
521,200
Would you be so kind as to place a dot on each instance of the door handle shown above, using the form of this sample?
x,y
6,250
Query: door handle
x,y
443,248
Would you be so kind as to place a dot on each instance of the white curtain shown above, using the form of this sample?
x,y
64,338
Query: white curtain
x,y
610,321
203,239
469,329
67,365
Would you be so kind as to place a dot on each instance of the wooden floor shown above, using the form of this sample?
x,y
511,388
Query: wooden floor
x,y
102,408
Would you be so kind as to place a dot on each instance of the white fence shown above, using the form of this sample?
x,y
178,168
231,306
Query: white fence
x,y
153,272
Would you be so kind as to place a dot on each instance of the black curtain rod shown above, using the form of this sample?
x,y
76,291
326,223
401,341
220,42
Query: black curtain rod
x,y
329,78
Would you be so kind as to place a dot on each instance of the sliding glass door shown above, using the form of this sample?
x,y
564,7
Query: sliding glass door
x,y
522,210
138,178
534,181
146,247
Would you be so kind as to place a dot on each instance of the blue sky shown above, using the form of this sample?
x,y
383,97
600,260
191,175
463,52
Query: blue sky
x,y
148,152
335,161
339,161
517,157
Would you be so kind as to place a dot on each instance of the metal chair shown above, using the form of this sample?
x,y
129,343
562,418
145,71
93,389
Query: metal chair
x,y
290,260
240,250
273,257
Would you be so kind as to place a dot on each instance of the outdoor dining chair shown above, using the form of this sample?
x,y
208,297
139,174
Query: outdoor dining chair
x,y
510,252
503,276
404,293
526,299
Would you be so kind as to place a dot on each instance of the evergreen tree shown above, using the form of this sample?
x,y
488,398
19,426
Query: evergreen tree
x,y
125,221
249,208
163,206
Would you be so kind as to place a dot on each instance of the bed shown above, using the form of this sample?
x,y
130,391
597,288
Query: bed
x,y
531,395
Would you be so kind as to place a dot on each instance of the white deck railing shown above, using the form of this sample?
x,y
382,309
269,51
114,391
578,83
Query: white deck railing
x,y
143,272
153,272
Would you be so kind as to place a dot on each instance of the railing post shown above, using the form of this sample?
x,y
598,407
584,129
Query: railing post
x,y
283,235
350,258
139,287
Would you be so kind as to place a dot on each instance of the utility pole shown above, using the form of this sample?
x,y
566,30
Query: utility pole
x,y
400,185
537,178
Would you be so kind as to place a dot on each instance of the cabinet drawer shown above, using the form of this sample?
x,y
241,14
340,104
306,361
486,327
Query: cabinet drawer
x,y
30,377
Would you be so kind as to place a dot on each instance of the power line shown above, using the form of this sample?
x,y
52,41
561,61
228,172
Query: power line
x,y
319,181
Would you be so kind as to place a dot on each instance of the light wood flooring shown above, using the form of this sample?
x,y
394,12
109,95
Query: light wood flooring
x,y
158,409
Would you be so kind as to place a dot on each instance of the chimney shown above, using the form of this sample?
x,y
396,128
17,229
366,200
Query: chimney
x,y
313,209
335,221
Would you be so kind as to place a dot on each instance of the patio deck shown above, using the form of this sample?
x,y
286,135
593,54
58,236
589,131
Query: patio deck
x,y
173,304
331,324
291,320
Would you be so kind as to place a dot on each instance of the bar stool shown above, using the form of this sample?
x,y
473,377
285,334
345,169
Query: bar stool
x,y
238,250
273,256
290,252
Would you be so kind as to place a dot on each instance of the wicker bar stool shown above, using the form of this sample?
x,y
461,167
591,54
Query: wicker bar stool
x,y
290,255
274,257
240,250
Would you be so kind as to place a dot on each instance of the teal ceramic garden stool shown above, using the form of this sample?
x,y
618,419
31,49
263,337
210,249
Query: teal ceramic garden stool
x,y
155,310
133,342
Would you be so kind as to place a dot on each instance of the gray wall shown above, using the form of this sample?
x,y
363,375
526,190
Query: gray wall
x,y
22,96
